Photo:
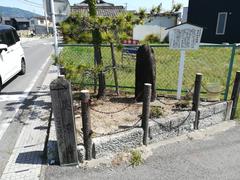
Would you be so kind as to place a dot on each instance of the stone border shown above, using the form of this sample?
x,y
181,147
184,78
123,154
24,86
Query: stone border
x,y
159,129
171,126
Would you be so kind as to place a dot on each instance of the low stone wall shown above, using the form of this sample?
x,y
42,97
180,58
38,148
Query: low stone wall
x,y
213,114
174,125
159,129
103,146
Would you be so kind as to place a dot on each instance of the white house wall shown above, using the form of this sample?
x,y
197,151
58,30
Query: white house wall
x,y
141,31
162,21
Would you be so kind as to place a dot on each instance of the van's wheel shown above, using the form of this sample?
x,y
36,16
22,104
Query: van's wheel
x,y
23,67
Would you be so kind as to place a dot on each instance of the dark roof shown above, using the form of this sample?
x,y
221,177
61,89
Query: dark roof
x,y
98,3
5,27
103,9
20,19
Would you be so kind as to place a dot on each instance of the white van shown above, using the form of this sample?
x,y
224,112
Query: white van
x,y
12,60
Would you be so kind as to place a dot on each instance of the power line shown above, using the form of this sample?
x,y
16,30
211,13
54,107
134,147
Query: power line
x,y
33,5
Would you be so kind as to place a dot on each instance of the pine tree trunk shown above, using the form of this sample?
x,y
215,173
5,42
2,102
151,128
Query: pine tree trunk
x,y
97,40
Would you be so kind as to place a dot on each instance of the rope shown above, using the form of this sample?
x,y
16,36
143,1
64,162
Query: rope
x,y
214,92
190,91
170,127
206,105
107,134
113,112
168,104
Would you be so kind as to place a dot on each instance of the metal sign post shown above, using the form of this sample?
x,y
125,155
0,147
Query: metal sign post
x,y
180,74
184,37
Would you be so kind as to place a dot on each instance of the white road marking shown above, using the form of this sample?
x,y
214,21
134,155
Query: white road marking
x,y
5,124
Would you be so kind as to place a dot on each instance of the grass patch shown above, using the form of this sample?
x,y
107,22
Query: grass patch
x,y
136,158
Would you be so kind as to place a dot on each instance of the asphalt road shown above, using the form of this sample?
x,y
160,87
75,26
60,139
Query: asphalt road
x,y
213,156
18,94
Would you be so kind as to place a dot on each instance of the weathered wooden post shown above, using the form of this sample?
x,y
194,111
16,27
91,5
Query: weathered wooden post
x,y
146,111
196,98
145,72
62,70
114,68
61,95
235,94
86,123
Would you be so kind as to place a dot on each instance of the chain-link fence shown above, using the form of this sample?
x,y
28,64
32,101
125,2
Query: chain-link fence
x,y
217,63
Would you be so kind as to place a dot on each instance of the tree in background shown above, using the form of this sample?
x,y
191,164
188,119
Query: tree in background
x,y
78,29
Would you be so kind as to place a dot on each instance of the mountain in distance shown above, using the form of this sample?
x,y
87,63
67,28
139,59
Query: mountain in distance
x,y
16,12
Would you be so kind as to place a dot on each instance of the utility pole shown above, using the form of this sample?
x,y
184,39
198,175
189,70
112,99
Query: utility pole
x,y
173,3
54,28
46,20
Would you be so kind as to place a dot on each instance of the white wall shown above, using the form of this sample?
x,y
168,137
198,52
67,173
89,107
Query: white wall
x,y
185,14
162,21
141,31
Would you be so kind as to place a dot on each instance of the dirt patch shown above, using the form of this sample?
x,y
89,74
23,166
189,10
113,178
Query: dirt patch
x,y
118,113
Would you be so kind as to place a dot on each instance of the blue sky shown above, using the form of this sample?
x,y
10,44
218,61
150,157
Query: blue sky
x,y
131,4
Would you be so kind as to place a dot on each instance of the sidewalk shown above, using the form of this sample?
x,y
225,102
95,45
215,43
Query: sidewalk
x,y
26,159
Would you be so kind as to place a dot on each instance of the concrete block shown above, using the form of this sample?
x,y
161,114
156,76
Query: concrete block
x,y
220,107
214,119
229,110
206,112
104,146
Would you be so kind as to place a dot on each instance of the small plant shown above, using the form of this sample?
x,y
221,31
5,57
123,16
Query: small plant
x,y
156,112
152,38
136,158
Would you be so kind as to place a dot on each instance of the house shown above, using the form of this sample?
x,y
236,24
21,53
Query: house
x,y
156,25
103,8
219,18
18,23
39,25
5,20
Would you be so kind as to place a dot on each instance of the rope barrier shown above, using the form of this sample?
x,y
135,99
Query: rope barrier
x,y
114,112
170,127
107,134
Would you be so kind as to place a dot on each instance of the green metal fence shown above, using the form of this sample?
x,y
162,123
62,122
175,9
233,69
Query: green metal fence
x,y
216,62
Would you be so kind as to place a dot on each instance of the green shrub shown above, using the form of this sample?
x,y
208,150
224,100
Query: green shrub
x,y
156,112
152,38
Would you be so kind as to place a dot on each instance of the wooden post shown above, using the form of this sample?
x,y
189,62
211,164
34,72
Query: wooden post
x,y
61,95
114,69
86,123
235,94
146,111
196,98
62,70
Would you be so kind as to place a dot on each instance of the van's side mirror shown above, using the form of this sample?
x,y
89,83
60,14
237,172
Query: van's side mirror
x,y
3,47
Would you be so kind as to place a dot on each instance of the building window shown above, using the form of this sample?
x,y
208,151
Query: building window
x,y
221,23
41,21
